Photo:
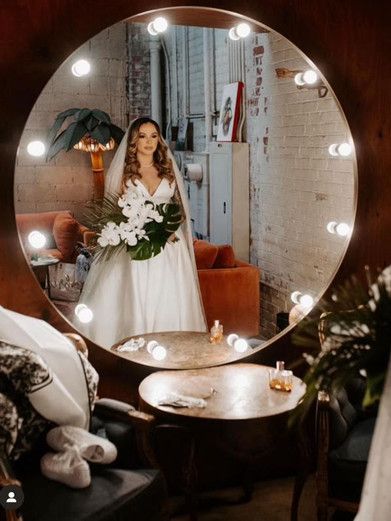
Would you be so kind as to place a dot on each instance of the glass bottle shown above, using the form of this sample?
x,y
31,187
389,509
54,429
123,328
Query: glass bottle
x,y
279,378
216,333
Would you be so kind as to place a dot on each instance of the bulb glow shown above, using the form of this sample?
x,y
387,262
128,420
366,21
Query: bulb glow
x,y
243,30
159,25
231,339
295,297
151,345
37,239
306,301
159,352
299,79
85,315
240,345
310,77
344,149
78,308
233,34
81,68
331,226
36,148
342,229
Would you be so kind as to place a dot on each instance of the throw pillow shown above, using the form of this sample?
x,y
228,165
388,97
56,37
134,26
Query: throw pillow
x,y
225,257
205,254
66,234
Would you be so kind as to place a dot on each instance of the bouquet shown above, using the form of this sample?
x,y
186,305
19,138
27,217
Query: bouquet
x,y
132,222
355,335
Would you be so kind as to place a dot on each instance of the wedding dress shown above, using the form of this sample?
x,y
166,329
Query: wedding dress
x,y
131,297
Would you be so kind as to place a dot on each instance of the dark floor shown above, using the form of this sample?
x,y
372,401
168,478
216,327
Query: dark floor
x,y
271,502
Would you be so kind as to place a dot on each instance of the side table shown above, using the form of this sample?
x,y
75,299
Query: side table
x,y
43,263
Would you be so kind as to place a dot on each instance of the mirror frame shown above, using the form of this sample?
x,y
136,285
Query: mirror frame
x,y
40,34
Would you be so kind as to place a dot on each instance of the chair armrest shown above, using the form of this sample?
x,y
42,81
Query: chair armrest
x,y
78,342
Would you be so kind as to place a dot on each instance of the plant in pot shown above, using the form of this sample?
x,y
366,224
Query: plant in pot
x,y
91,131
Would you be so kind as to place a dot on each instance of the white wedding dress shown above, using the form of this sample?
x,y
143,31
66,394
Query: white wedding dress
x,y
129,297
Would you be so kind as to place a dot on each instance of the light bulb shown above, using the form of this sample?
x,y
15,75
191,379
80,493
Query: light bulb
x,y
159,352
306,301
331,226
341,149
151,345
295,297
344,149
231,339
159,25
310,77
243,30
342,229
233,34
37,239
78,308
240,345
299,79
85,315
36,148
81,68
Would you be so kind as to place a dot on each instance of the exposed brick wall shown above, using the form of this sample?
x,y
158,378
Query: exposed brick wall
x,y
296,187
138,72
66,181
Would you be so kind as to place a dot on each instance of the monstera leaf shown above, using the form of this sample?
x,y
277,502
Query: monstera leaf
x,y
93,123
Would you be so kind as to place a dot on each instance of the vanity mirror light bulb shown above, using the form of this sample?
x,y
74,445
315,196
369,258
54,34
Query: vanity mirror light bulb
x,y
81,68
306,301
232,338
37,239
295,297
151,345
233,34
85,315
240,345
341,149
342,229
310,77
243,30
159,25
36,148
159,352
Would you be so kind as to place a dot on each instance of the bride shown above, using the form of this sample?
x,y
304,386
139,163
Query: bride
x,y
131,297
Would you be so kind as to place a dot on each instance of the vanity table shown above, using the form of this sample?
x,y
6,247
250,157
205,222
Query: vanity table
x,y
242,427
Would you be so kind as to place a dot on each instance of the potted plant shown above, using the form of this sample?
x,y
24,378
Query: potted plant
x,y
91,131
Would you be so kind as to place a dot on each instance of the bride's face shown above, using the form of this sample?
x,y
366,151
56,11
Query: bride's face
x,y
148,139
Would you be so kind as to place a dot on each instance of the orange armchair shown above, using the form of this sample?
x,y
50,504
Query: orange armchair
x,y
230,289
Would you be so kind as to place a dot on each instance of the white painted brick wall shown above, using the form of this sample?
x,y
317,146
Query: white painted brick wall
x,y
66,182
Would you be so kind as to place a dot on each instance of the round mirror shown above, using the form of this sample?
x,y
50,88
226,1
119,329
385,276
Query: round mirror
x,y
263,176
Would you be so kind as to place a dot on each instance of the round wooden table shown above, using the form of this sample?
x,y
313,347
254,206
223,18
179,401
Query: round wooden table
x,y
243,425
185,350
231,392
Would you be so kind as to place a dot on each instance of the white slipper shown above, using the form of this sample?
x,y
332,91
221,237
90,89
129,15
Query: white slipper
x,y
92,448
67,467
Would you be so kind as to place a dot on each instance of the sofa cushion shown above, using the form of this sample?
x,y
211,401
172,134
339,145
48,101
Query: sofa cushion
x,y
66,233
205,254
225,257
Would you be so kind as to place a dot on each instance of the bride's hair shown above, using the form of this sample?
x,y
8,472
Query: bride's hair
x,y
160,159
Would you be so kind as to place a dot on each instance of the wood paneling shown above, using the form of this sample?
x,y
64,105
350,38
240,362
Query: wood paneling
x,y
347,40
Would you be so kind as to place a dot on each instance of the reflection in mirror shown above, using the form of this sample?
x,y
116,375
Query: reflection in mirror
x,y
264,151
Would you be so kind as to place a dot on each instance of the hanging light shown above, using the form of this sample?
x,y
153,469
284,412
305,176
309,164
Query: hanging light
x,y
36,148
241,30
159,25
340,149
81,68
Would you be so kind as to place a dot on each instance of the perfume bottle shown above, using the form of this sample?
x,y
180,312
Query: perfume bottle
x,y
216,333
280,379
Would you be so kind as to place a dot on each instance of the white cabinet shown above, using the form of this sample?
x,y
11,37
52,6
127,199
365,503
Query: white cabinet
x,y
229,196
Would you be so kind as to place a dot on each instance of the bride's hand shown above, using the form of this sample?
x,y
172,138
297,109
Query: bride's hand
x,y
172,238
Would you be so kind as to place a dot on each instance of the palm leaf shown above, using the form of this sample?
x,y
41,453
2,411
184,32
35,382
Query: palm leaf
x,y
58,122
83,114
116,133
101,116
101,133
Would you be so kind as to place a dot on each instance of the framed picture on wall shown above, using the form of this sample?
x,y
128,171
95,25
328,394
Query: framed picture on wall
x,y
230,112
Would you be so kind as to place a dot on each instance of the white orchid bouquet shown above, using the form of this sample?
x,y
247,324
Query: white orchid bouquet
x,y
132,222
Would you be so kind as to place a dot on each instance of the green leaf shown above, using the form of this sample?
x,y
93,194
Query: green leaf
x,y
67,139
101,133
116,133
84,114
58,122
101,116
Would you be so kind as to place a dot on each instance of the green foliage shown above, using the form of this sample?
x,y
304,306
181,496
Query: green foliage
x,y
355,334
91,123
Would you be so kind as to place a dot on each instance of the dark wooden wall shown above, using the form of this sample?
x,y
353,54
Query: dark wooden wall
x,y
348,40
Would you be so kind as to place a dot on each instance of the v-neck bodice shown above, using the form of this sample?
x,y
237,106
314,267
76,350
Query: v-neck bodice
x,y
163,193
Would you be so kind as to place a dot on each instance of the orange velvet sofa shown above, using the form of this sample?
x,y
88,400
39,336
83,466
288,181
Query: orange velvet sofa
x,y
230,289
61,229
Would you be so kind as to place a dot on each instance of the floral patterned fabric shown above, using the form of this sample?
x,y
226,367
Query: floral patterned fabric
x,y
22,372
